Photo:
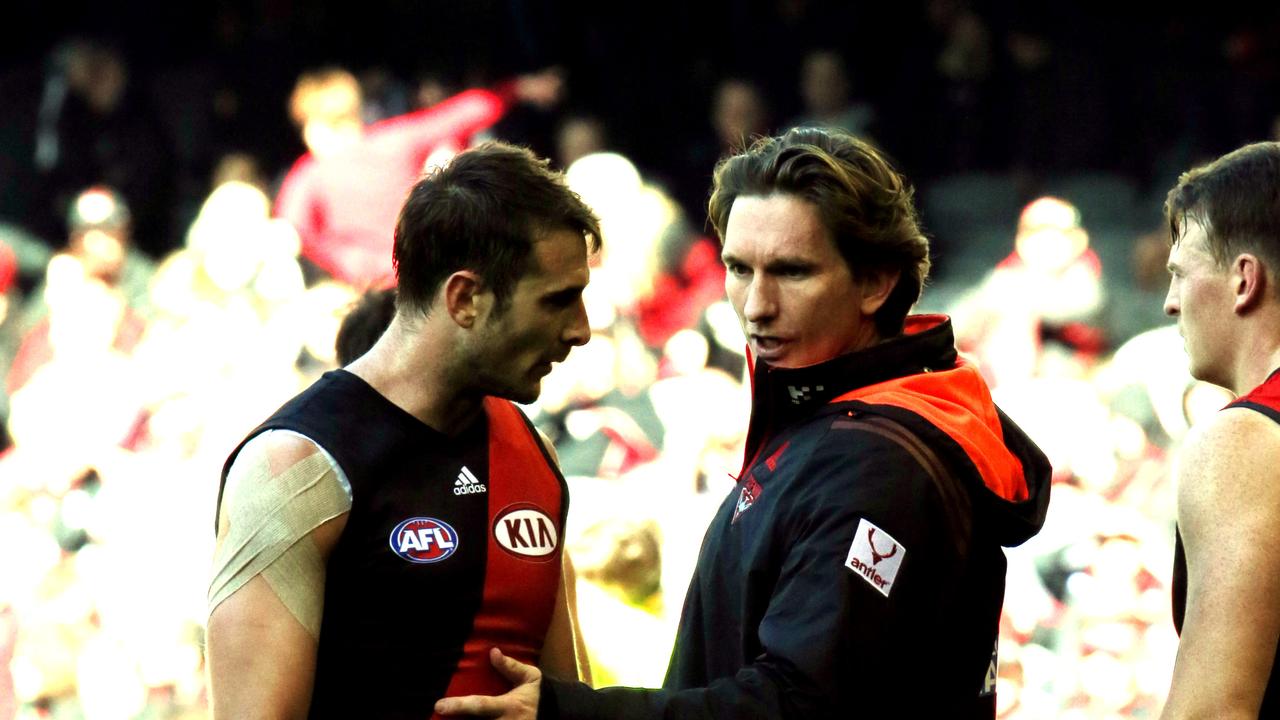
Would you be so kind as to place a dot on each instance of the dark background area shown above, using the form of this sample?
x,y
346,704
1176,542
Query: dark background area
x,y
1058,88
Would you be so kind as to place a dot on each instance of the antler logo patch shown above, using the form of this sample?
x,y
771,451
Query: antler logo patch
x,y
875,556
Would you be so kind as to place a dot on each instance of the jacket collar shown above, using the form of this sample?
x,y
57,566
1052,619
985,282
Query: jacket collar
x,y
926,343
780,397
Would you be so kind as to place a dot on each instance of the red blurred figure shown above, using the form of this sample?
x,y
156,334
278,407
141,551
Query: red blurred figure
x,y
344,195
1048,289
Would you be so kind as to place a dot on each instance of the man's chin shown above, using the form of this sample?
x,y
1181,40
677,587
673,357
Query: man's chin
x,y
521,396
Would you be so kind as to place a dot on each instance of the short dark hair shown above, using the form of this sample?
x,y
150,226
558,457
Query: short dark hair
x,y
865,204
1236,199
364,323
482,212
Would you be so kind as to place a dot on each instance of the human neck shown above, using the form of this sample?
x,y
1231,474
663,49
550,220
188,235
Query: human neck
x,y
1259,355
1254,369
407,367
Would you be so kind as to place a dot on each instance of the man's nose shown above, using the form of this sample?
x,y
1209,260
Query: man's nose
x,y
578,331
761,303
1171,303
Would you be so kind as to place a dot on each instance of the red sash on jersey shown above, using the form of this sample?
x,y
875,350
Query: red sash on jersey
x,y
520,588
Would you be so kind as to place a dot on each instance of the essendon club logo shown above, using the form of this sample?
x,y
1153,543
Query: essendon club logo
x,y
746,497
875,556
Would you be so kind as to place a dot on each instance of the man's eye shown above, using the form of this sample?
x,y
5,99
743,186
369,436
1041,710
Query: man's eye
x,y
738,269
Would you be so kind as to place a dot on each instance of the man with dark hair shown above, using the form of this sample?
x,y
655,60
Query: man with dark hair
x,y
385,527
857,569
364,323
1224,263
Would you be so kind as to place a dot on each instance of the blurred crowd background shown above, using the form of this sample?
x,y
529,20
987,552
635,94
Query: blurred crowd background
x,y
192,195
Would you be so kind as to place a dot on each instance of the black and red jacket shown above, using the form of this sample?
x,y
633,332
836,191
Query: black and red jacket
x,y
857,569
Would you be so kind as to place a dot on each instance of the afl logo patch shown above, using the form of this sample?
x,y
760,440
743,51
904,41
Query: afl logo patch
x,y
526,532
424,540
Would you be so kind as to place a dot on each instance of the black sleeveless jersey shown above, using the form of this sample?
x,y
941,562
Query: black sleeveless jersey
x,y
1264,399
452,546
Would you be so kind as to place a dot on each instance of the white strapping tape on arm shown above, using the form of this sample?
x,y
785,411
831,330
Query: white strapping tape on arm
x,y
269,521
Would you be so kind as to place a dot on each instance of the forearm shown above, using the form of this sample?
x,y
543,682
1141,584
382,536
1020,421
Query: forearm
x,y
564,655
261,660
1189,702
1215,675
418,133
752,693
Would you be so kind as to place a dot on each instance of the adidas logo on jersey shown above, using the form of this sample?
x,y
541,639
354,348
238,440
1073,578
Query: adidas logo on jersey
x,y
467,484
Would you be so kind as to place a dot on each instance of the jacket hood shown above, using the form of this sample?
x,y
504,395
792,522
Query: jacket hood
x,y
918,380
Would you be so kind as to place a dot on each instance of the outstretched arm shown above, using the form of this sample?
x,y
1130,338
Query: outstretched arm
x,y
1228,477
819,614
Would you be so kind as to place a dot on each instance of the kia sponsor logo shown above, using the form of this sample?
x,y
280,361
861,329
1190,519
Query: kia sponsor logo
x,y
424,540
526,531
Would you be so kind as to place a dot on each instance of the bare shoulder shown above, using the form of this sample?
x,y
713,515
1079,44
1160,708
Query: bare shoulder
x,y
276,466
1228,463
1232,438
279,450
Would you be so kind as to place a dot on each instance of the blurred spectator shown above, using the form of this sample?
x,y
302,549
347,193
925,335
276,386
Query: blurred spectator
x,y
95,127
100,230
432,90
8,279
343,197
963,64
99,629
101,245
619,563
597,409
738,115
1048,290
633,216
654,270
826,88
84,364
230,321
239,167
578,137
1135,299
1032,111
8,295
30,253
364,323
383,96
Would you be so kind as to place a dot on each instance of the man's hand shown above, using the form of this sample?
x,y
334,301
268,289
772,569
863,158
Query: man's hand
x,y
521,703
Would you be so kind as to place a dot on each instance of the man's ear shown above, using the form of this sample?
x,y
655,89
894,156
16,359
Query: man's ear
x,y
1249,282
463,297
876,289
